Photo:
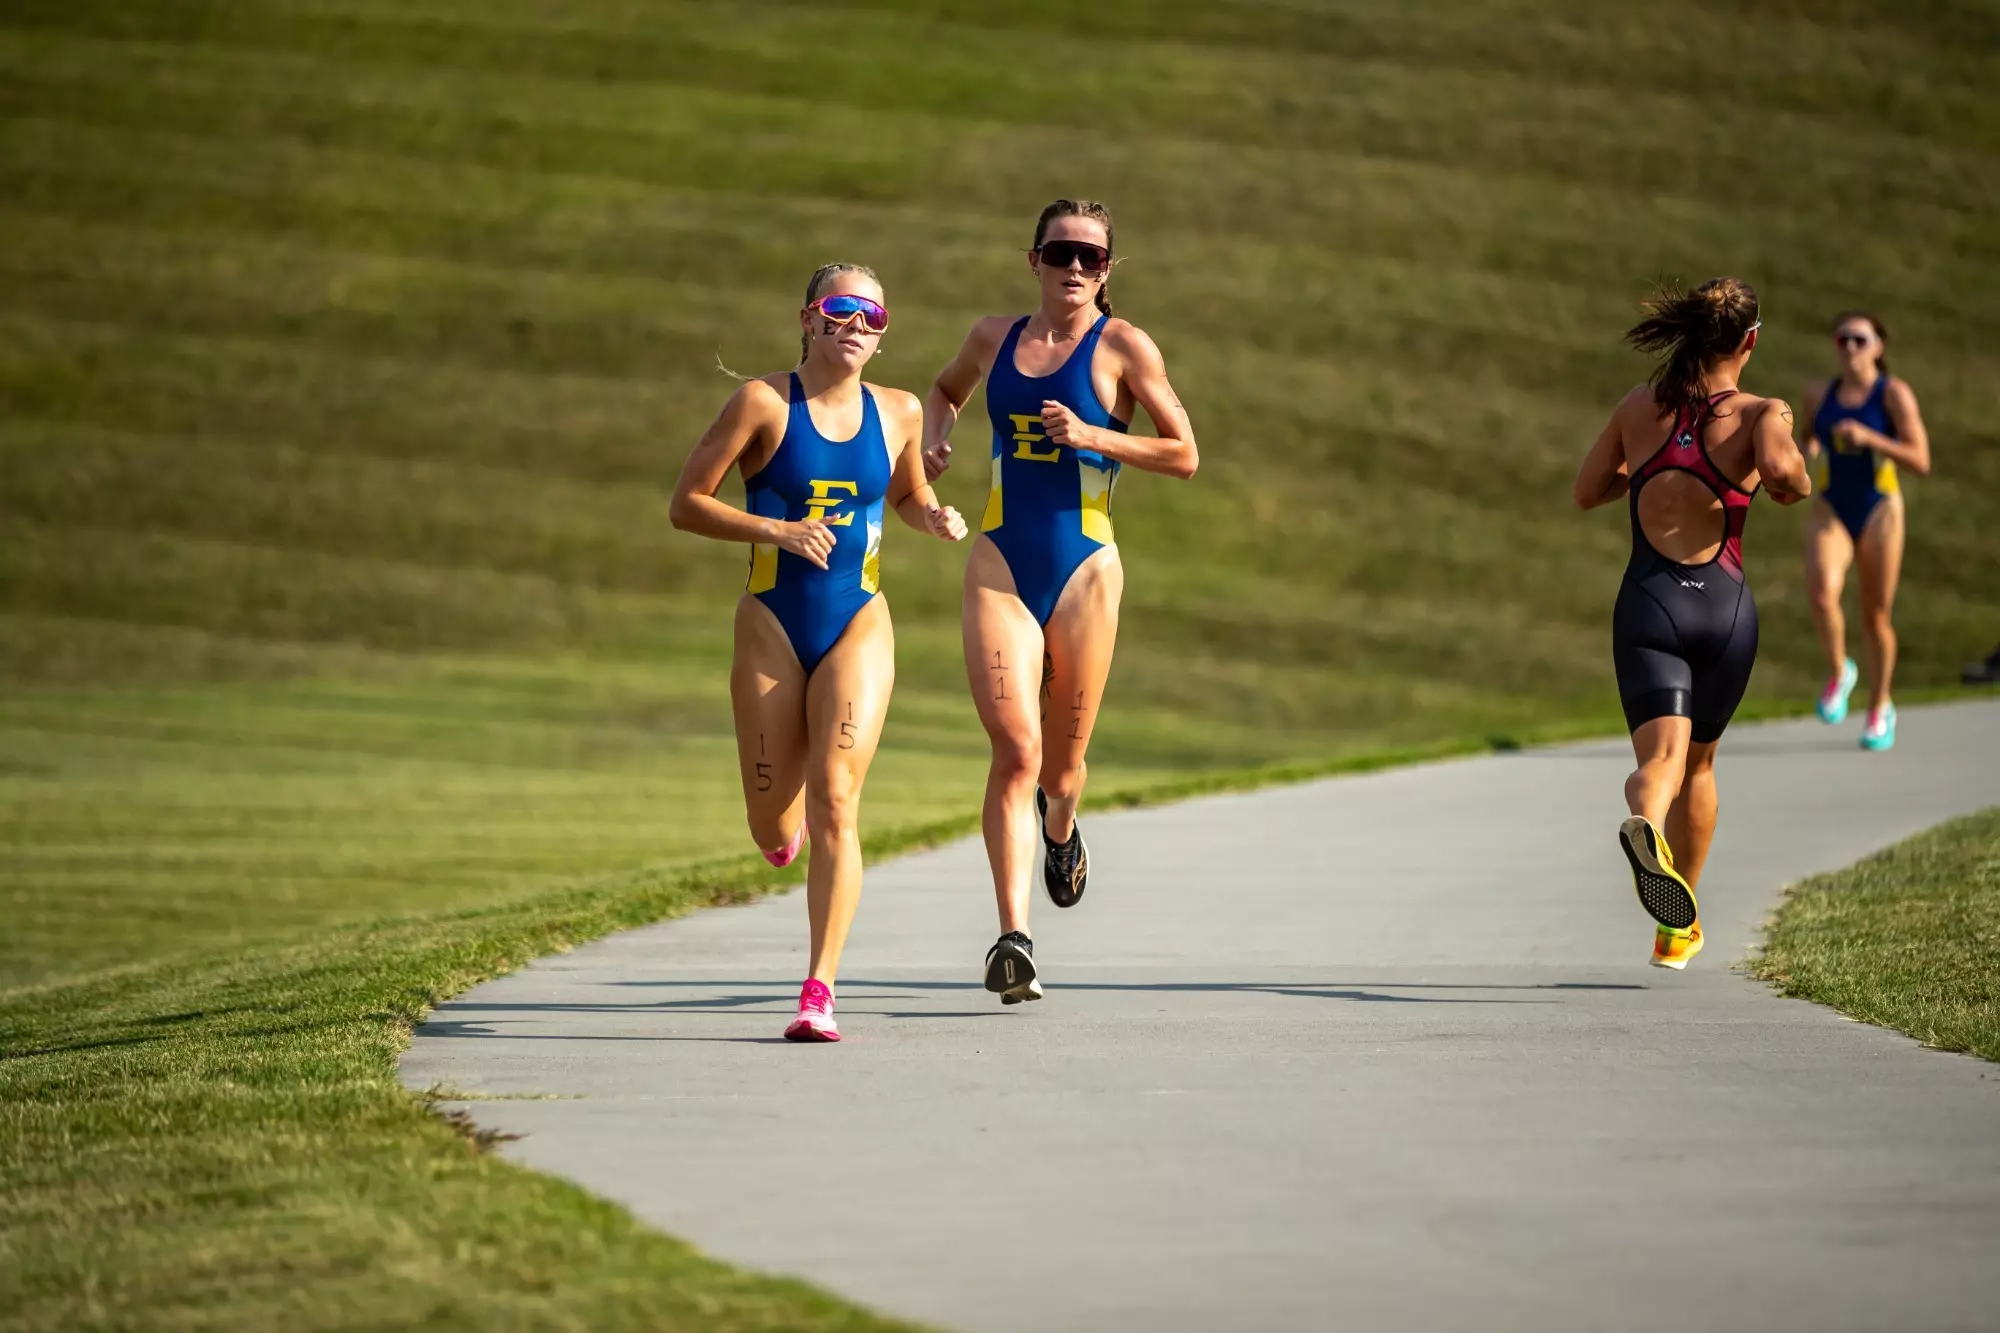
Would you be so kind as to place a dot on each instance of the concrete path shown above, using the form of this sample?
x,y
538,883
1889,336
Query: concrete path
x,y
1376,1053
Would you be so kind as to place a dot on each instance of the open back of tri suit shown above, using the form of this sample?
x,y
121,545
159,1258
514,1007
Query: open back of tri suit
x,y
1684,637
841,484
1854,481
1049,508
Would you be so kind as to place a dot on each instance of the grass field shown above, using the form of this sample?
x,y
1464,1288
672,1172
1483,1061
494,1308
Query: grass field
x,y
347,350
1908,939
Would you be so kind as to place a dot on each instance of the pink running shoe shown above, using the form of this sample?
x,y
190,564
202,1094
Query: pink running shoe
x,y
815,1020
781,859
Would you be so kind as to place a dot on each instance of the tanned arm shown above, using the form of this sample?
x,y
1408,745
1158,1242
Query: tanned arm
x,y
910,493
753,412
953,389
1603,476
1173,453
1779,462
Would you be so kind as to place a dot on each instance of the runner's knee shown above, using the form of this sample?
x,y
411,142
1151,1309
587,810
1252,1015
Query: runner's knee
x,y
1065,783
1652,770
833,806
1665,769
1017,758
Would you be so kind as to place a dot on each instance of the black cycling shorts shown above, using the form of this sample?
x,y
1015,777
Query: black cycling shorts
x,y
1683,640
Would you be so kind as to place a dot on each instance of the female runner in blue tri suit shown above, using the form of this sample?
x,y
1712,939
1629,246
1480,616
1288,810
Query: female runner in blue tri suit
x,y
1859,429
1691,449
822,454
1043,584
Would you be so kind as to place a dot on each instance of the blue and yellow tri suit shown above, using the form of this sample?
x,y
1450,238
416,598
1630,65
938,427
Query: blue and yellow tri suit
x,y
1050,506
1853,481
841,484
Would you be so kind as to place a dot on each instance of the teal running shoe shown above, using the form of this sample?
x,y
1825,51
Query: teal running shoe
x,y
1833,699
1880,733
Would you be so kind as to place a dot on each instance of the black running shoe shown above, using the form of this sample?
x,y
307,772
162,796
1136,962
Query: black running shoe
x,y
1065,865
1010,968
1983,673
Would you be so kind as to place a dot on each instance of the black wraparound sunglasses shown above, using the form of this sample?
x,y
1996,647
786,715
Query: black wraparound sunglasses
x,y
1061,254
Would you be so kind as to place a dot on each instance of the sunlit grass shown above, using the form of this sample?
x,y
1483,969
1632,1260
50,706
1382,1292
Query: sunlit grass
x,y
1909,938
347,350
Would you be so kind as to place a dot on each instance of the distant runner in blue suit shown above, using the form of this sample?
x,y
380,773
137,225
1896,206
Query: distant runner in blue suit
x,y
1859,429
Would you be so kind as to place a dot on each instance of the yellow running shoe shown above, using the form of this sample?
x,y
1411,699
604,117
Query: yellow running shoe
x,y
1673,948
1667,898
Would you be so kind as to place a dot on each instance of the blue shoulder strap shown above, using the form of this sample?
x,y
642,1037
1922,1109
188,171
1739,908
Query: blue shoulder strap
x,y
1090,339
871,419
1006,357
796,397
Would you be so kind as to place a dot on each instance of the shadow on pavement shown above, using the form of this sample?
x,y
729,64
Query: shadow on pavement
x,y
857,993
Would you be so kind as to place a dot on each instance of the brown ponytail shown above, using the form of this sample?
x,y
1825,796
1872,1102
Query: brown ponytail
x,y
1881,334
1080,208
1693,329
822,275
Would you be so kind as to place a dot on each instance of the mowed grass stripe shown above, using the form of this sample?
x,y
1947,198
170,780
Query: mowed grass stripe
x,y
1578,41
565,220
1425,540
768,49
1329,497
1643,139
639,316
1344,656
479,718
1859,66
1398,311
1384,312
304,285
43,652
594,428
293,594
394,291
1379,396
288,595
261,492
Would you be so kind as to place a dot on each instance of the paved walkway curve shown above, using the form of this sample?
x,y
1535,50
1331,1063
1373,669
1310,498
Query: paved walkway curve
x,y
1376,1053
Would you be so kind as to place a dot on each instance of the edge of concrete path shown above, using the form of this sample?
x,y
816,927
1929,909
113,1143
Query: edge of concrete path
x,y
733,878
1549,736
1605,753
1604,749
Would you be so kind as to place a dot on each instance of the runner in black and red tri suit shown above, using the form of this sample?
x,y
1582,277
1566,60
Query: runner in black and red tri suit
x,y
1691,449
